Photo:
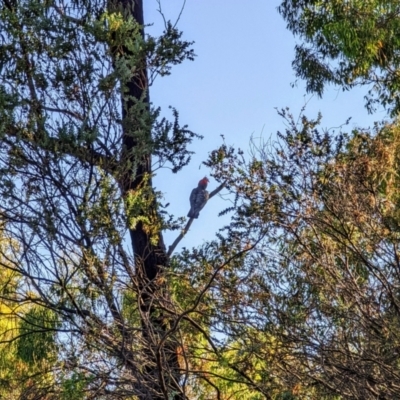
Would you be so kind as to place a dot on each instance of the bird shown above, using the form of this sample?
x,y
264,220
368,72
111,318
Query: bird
x,y
198,198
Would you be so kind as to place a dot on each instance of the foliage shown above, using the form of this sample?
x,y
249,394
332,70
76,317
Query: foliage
x,y
321,210
78,134
348,43
24,359
297,297
36,340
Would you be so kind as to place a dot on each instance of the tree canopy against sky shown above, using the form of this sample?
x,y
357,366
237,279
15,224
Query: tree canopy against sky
x,y
348,43
297,297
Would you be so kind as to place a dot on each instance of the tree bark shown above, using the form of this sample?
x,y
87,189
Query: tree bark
x,y
150,258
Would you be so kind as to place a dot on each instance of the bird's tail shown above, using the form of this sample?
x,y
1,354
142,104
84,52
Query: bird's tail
x,y
193,214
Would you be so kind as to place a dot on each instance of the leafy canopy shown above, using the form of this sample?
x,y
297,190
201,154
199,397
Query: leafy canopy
x,y
348,43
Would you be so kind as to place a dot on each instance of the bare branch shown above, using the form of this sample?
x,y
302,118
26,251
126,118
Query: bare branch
x,y
78,21
66,112
217,190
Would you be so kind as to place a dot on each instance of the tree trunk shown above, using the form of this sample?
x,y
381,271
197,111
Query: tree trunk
x,y
150,256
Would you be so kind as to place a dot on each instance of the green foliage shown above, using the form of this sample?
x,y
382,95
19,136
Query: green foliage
x,y
20,377
36,336
139,206
348,43
74,387
170,141
79,139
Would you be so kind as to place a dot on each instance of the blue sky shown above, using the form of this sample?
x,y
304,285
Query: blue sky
x,y
241,74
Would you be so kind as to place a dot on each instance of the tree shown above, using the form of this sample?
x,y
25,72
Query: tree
x,y
322,213
297,297
348,43
78,135
26,353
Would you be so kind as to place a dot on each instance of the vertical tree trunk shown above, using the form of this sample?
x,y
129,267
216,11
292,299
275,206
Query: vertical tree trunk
x,y
150,256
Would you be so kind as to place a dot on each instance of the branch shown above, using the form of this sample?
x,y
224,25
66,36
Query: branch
x,y
189,223
80,21
64,111
54,145
180,237
217,190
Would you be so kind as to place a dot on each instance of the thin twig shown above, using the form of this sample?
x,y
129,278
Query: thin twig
x,y
180,13
161,13
64,111
80,21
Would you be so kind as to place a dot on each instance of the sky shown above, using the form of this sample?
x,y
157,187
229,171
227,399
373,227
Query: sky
x,y
241,75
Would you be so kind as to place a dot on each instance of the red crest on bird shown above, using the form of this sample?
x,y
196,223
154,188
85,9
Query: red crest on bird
x,y
204,182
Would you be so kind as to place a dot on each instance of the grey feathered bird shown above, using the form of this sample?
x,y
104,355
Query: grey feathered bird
x,y
198,198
